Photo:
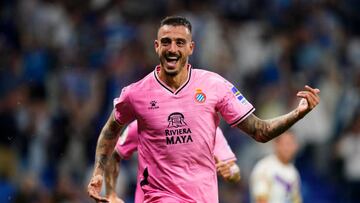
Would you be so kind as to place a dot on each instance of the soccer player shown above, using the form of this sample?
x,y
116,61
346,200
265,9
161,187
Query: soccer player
x,y
127,145
274,178
177,108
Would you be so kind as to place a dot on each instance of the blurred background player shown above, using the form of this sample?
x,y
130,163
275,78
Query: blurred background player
x,y
348,151
274,178
127,144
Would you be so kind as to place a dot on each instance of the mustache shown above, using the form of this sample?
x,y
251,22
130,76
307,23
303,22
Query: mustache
x,y
168,54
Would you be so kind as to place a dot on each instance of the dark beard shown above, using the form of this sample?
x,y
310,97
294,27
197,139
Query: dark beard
x,y
182,62
172,74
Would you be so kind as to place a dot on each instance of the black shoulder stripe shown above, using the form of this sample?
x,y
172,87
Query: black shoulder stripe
x,y
242,117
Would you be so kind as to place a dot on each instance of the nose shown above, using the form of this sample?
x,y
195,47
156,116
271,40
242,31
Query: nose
x,y
173,47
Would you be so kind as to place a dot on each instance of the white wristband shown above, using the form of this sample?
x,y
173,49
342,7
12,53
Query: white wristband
x,y
234,169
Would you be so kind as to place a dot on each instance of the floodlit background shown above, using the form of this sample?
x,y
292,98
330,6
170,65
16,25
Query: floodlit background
x,y
63,61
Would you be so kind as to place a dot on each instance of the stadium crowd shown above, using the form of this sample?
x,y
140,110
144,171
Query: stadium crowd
x,y
62,62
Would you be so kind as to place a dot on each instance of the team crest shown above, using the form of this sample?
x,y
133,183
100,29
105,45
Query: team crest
x,y
200,96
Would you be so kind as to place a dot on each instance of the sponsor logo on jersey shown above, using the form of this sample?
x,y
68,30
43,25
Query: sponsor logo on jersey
x,y
176,120
200,96
235,91
153,105
177,131
238,95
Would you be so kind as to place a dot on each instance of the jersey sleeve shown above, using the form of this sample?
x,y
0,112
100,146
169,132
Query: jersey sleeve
x,y
222,150
128,141
123,110
232,105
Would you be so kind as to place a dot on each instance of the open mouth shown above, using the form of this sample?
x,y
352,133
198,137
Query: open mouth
x,y
171,59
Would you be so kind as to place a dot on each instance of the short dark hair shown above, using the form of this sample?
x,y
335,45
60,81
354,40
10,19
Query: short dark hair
x,y
176,21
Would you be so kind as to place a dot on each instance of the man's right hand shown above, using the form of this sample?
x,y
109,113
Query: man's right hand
x,y
94,189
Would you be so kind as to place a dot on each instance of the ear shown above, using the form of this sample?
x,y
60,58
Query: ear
x,y
192,47
156,45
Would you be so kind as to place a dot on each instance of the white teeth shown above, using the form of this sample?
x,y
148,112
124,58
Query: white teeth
x,y
172,57
171,63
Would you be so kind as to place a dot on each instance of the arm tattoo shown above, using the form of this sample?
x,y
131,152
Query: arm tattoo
x,y
104,148
106,144
111,174
265,130
111,131
103,159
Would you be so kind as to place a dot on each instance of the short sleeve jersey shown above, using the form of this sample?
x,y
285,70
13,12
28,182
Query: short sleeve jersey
x,y
222,150
127,145
176,132
128,141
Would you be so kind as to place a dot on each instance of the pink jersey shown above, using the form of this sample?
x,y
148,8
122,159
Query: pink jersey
x,y
127,145
222,150
176,132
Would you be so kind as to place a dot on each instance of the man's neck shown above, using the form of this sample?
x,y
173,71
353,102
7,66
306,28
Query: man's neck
x,y
283,160
174,81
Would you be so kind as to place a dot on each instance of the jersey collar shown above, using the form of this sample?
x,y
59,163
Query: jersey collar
x,y
157,69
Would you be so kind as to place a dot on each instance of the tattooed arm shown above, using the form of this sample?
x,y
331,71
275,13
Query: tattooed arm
x,y
104,148
265,130
111,174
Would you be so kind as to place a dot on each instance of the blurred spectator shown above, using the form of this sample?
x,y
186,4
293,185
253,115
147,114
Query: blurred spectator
x,y
275,178
63,62
31,191
349,151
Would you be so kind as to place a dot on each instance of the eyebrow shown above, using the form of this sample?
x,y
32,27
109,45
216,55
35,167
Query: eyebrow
x,y
176,39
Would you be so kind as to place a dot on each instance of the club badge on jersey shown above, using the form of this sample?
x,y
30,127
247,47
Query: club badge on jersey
x,y
200,96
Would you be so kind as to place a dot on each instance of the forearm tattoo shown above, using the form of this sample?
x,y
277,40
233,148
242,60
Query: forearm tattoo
x,y
111,174
111,131
106,143
265,130
103,159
